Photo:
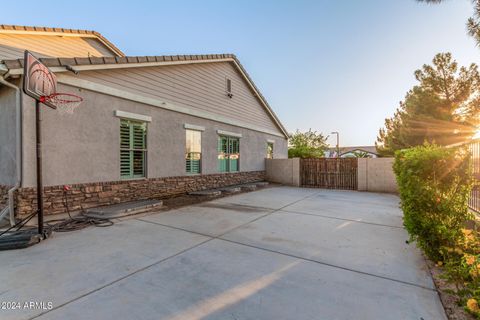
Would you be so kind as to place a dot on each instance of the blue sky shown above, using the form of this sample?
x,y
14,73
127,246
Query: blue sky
x,y
327,65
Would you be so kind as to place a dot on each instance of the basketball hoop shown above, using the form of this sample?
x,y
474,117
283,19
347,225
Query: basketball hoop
x,y
66,103
40,83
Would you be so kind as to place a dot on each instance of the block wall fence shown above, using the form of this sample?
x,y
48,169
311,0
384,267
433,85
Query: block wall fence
x,y
373,174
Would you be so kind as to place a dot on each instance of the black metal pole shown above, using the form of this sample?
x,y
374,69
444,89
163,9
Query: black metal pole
x,y
38,130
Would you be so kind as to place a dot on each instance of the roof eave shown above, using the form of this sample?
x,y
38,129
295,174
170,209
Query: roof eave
x,y
15,67
62,32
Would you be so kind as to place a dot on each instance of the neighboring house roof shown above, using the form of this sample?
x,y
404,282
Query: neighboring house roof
x,y
368,149
54,42
11,67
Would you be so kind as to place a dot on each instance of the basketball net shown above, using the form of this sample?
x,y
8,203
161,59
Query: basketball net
x,y
66,103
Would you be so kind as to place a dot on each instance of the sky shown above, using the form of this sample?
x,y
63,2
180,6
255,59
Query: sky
x,y
325,65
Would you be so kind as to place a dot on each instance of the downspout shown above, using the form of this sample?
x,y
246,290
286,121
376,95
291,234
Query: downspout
x,y
18,150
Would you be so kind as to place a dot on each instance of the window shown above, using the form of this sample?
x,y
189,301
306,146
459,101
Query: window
x,y
133,149
228,154
269,150
193,151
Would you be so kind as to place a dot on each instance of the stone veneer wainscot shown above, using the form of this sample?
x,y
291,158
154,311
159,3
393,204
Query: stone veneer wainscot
x,y
89,195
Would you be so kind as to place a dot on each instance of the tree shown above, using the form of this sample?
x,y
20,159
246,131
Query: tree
x,y
444,108
308,144
473,23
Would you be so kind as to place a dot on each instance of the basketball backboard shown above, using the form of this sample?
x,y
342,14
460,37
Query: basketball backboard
x,y
38,81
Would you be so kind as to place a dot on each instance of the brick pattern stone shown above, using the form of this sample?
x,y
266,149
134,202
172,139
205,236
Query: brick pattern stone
x,y
90,195
3,195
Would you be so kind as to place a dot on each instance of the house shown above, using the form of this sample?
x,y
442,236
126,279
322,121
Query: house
x,y
349,152
149,126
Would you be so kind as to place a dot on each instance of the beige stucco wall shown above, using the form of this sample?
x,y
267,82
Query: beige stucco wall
x,y
284,171
8,132
85,147
376,175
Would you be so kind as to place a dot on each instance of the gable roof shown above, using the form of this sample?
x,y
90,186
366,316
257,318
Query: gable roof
x,y
53,41
368,149
15,67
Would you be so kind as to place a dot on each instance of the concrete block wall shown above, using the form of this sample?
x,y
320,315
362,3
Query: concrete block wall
x,y
376,175
284,171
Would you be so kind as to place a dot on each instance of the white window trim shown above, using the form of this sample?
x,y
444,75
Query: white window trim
x,y
132,116
228,133
271,141
193,127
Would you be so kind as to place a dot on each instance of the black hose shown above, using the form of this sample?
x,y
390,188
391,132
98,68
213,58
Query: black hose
x,y
76,223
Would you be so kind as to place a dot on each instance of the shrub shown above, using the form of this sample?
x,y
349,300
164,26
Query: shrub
x,y
462,267
434,184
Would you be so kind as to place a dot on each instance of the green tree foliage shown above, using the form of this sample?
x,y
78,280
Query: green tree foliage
x,y
434,184
308,144
443,108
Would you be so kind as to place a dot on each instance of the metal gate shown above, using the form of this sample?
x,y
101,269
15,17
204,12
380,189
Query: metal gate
x,y
474,200
329,173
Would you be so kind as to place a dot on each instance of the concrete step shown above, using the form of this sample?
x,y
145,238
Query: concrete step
x,y
124,209
261,183
206,193
249,187
230,190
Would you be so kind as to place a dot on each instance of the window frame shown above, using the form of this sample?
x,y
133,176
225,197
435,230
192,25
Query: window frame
x,y
224,165
186,153
132,149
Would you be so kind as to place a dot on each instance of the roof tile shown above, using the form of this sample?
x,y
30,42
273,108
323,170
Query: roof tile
x,y
132,59
51,62
67,61
82,61
96,60
121,59
12,64
109,60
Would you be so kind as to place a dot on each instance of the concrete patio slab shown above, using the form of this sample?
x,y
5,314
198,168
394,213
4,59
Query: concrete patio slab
x,y
210,218
220,280
240,257
70,265
373,249
271,198
384,209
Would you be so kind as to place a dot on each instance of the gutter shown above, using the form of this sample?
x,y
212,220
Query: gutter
x,y
18,152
